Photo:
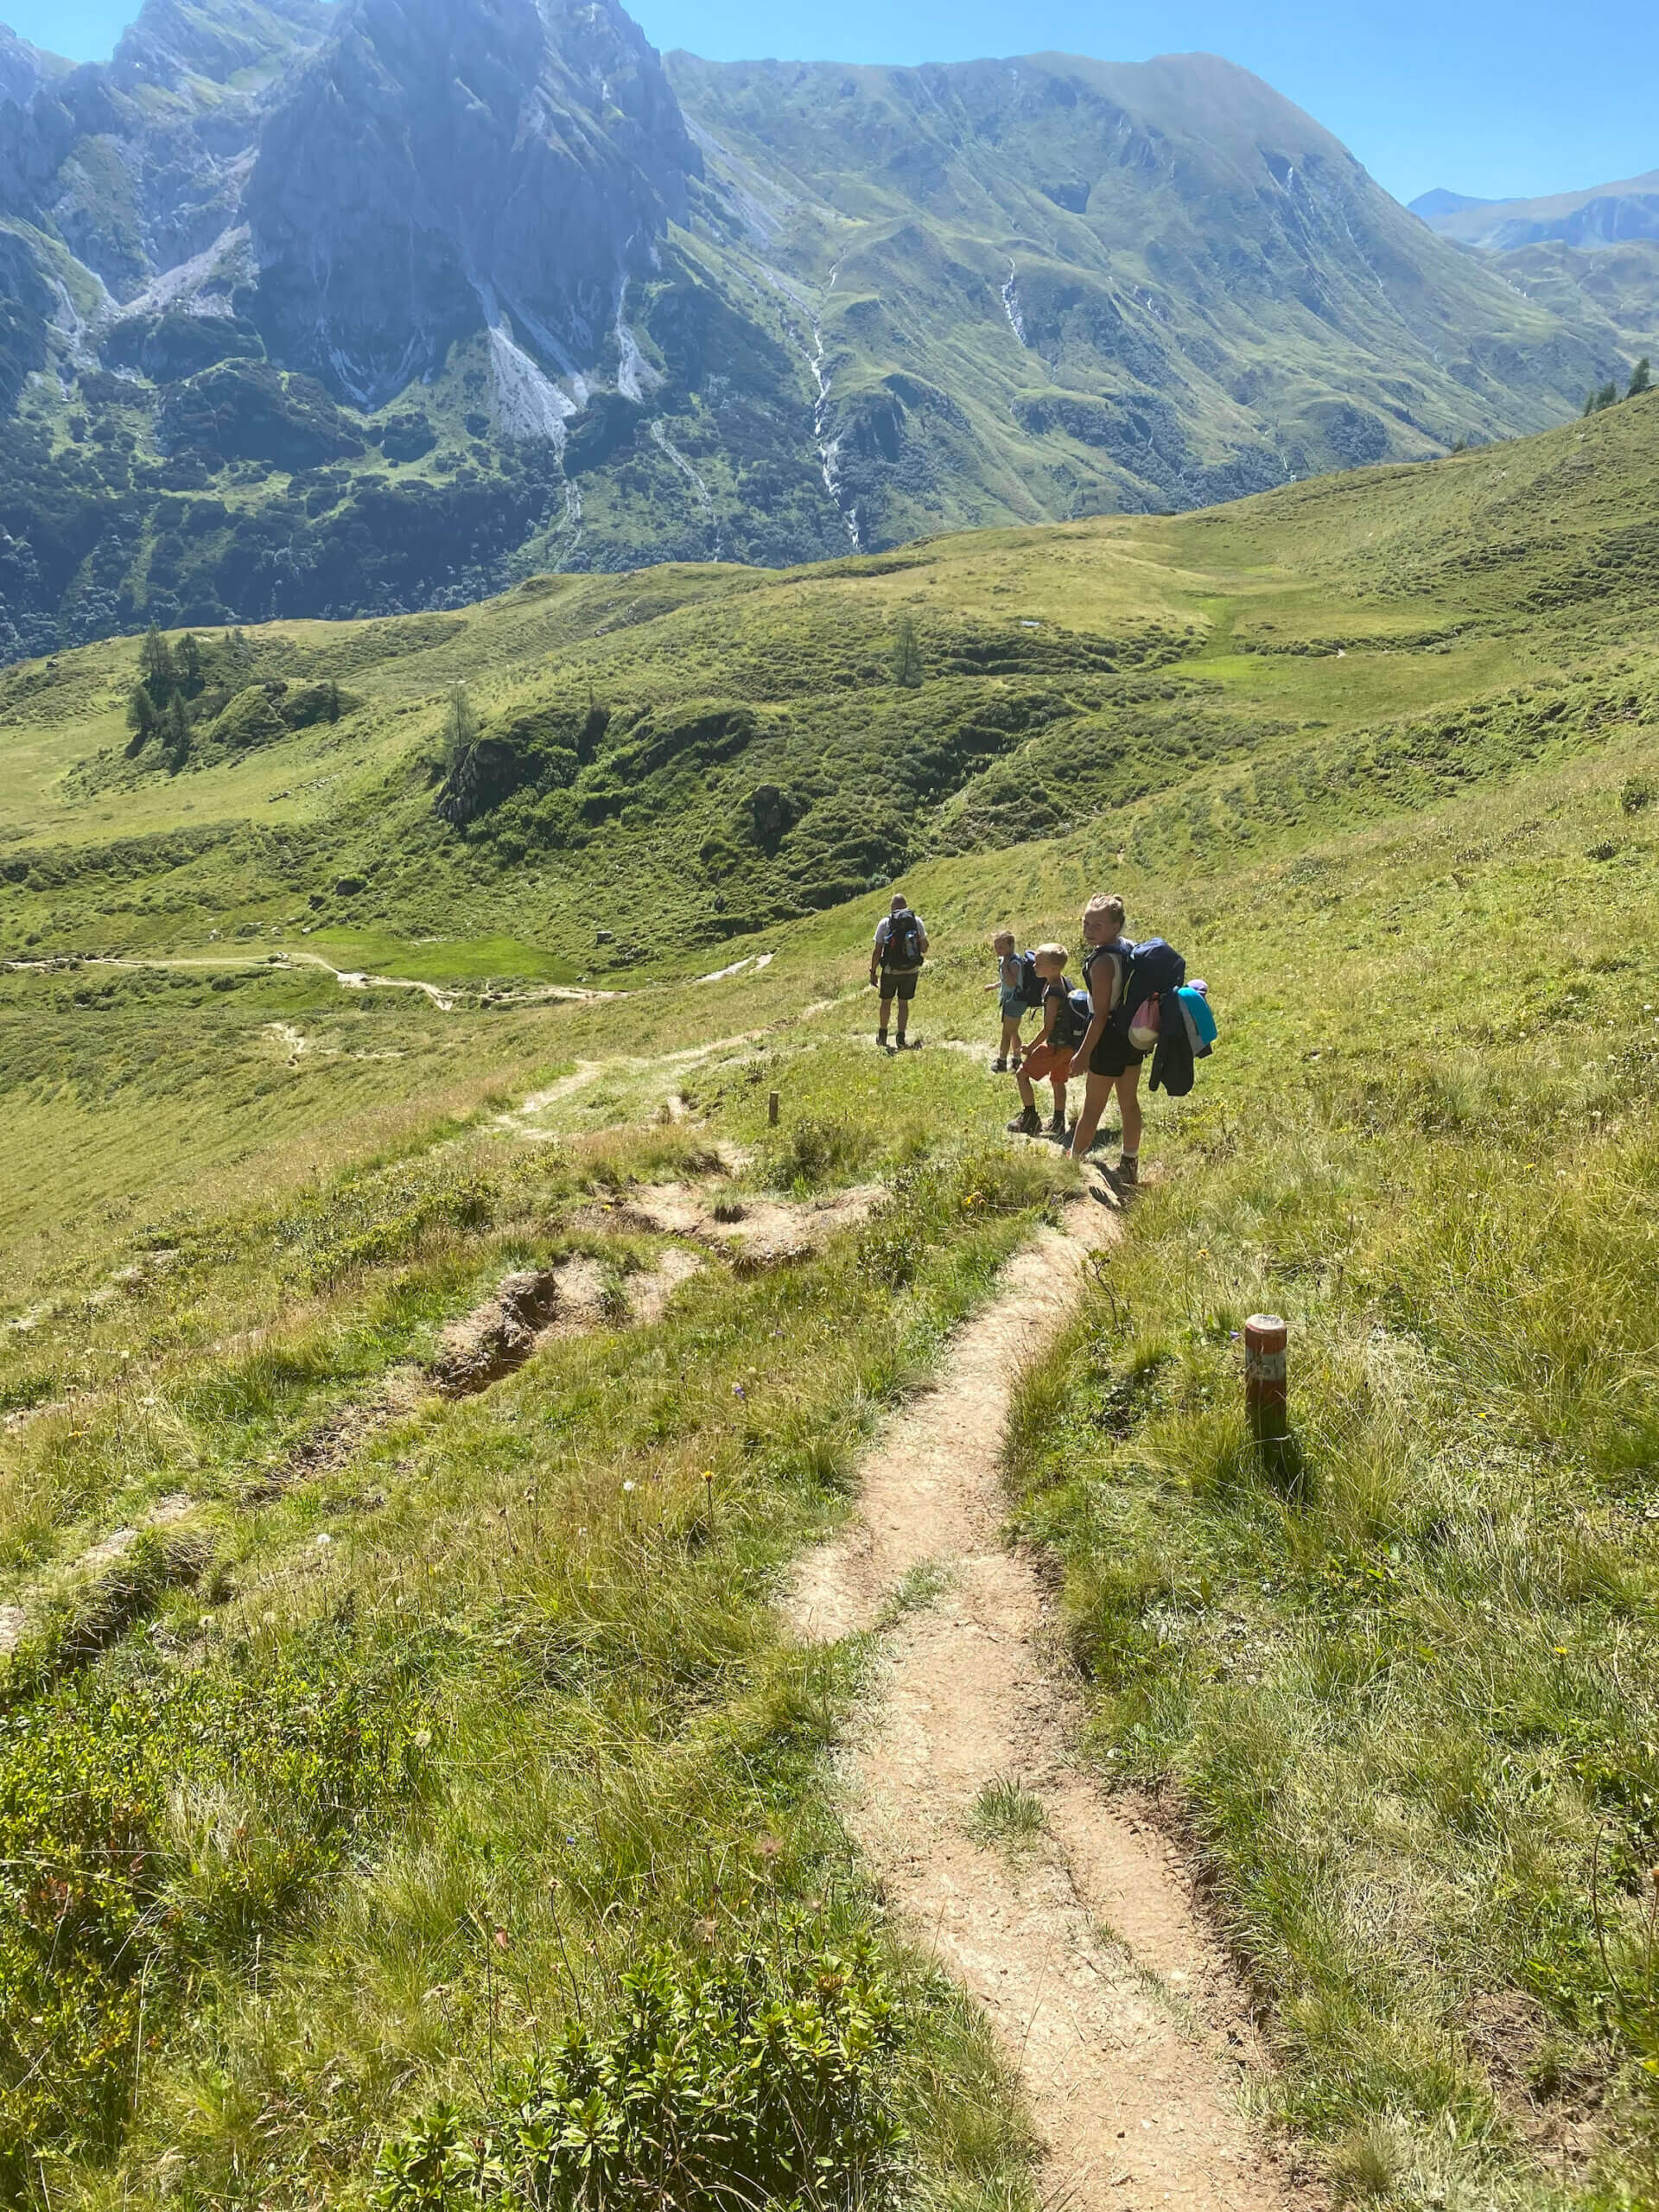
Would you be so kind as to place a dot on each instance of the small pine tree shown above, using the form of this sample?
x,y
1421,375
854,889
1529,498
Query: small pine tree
x,y
188,665
906,656
143,720
459,727
155,666
176,730
333,701
1641,378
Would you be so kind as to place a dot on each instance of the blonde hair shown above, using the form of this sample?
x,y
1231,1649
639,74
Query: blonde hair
x,y
1002,937
1057,953
1107,903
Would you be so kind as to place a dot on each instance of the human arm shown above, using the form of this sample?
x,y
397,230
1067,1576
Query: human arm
x,y
875,950
1101,978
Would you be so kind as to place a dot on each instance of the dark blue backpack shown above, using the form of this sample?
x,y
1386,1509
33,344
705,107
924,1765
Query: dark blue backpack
x,y
1154,967
1031,983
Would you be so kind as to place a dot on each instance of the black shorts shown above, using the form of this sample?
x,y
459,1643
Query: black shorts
x,y
900,987
1114,1056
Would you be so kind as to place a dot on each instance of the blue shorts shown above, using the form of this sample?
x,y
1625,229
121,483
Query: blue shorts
x,y
1014,1004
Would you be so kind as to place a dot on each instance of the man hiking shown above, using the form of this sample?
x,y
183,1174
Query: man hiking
x,y
900,948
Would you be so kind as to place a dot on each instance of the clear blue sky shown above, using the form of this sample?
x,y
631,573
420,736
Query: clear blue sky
x,y
1494,100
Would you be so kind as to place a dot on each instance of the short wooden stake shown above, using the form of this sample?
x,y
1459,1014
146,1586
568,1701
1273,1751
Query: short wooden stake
x,y
772,1108
1265,1396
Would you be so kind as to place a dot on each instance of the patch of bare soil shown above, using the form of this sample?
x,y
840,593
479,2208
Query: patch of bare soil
x,y
1084,1940
497,1335
754,1233
526,1311
337,1440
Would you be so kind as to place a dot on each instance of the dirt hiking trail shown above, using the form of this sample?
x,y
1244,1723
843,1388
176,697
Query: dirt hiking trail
x,y
1081,1940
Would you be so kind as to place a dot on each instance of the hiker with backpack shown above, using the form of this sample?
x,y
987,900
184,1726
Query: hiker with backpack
x,y
1108,1061
1011,1001
1050,1055
900,948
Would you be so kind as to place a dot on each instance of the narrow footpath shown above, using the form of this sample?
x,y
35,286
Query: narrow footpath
x,y
1084,1945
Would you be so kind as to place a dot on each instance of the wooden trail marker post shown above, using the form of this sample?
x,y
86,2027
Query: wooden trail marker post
x,y
1266,1395
772,1109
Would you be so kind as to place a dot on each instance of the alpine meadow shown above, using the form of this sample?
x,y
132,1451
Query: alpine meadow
x,y
611,1597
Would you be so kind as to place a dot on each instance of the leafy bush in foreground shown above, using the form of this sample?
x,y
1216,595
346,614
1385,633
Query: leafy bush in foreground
x,y
757,2080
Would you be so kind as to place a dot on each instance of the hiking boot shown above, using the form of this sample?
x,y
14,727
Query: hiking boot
x,y
907,1044
1129,1172
881,1044
998,1067
1026,1124
1057,1127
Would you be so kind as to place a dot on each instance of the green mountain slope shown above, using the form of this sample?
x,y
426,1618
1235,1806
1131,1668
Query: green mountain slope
x,y
1120,286
682,756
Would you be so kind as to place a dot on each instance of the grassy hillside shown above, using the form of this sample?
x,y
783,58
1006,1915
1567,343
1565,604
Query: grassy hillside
x,y
679,757
403,1725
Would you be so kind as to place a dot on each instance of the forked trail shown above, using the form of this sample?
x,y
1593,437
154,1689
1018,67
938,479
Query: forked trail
x,y
1083,1945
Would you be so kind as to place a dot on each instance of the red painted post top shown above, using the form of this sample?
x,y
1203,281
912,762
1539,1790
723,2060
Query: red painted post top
x,y
1265,1334
1265,1340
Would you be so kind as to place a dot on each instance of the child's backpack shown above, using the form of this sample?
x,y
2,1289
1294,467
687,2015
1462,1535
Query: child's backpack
x,y
1031,983
903,949
1074,1018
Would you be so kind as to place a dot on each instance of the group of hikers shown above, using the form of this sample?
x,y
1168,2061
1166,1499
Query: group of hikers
x,y
1134,1001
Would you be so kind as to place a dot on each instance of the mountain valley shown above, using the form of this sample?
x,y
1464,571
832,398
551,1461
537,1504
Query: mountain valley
x,y
311,315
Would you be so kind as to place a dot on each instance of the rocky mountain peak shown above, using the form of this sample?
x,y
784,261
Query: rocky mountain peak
x,y
443,165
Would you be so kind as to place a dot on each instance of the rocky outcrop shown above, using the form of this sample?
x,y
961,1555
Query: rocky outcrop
x,y
445,164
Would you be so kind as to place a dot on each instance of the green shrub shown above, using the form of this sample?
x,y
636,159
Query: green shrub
x,y
759,2080
157,1819
817,1151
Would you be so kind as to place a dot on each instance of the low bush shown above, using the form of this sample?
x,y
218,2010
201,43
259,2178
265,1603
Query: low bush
x,y
759,2080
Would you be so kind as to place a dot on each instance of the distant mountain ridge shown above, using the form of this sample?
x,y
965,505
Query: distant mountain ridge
x,y
311,310
1601,214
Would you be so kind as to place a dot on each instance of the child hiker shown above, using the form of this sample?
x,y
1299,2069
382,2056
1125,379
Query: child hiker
x,y
1106,1058
1050,1055
1010,997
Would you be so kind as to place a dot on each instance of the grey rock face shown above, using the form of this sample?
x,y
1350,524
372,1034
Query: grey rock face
x,y
440,160
24,68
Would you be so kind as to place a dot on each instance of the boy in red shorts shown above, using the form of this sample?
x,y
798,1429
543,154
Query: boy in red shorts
x,y
1050,1055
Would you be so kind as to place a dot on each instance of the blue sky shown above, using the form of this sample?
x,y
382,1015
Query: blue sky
x,y
1494,101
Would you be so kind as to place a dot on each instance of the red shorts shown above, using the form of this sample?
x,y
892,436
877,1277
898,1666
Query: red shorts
x,y
1050,1060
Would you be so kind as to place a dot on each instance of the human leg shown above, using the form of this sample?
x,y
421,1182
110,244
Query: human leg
x,y
1095,1091
1129,1105
904,990
886,1010
1056,1125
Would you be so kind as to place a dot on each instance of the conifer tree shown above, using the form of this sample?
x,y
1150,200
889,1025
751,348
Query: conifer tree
x,y
176,732
1641,378
143,719
906,656
156,664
